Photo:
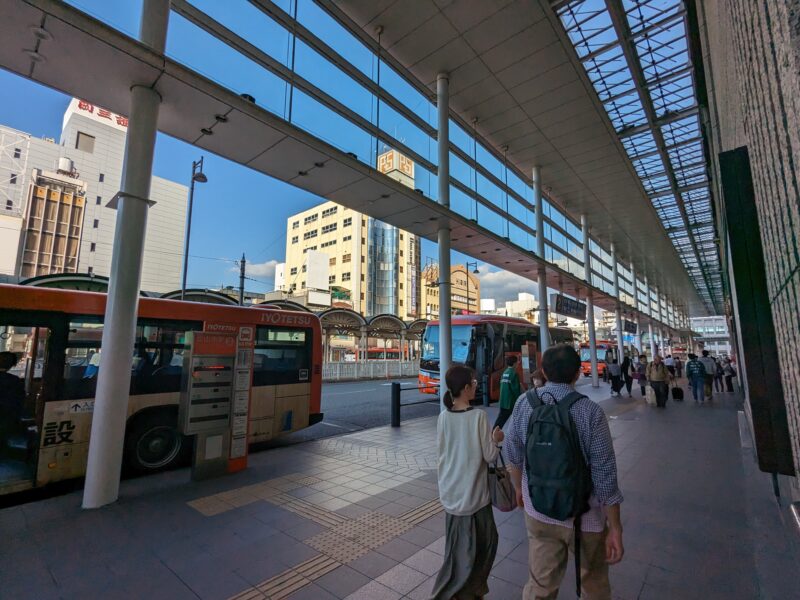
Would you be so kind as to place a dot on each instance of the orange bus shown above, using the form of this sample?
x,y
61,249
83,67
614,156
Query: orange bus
x,y
57,335
606,352
481,342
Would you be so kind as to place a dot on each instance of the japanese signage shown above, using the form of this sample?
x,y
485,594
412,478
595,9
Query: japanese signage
x,y
96,113
567,307
629,326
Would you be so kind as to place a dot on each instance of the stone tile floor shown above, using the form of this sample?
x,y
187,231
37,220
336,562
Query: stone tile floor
x,y
356,517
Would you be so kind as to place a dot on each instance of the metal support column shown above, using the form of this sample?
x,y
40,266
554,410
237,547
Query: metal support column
x,y
587,271
114,378
445,331
618,308
637,339
544,337
652,340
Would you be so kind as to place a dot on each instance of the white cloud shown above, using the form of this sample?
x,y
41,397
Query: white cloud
x,y
503,285
265,269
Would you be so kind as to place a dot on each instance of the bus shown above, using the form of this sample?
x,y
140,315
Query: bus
x,y
606,352
57,336
481,342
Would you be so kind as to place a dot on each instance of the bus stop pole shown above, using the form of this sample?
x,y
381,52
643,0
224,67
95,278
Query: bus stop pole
x,y
617,311
395,407
445,331
544,338
587,274
114,378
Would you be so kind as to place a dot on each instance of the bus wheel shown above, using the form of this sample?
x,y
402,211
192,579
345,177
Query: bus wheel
x,y
153,442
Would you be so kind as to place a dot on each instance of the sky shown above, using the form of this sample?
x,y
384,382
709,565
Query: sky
x,y
238,210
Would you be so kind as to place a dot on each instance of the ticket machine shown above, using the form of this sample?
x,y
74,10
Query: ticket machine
x,y
215,396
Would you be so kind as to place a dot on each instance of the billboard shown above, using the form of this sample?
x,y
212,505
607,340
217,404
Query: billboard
x,y
567,307
317,270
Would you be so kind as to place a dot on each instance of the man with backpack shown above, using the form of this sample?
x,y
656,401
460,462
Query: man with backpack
x,y
696,374
561,460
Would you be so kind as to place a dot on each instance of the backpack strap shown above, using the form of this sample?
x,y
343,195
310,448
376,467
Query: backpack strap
x,y
570,399
533,398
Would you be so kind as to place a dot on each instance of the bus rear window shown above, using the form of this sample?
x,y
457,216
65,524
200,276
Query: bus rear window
x,y
282,355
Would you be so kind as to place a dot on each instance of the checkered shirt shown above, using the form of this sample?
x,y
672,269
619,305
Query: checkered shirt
x,y
596,444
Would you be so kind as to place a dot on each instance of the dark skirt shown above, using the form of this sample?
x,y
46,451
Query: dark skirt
x,y
470,548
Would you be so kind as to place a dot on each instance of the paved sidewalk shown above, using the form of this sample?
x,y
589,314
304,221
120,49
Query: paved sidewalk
x,y
357,517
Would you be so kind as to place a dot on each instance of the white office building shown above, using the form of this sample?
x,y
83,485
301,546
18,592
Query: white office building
x,y
54,196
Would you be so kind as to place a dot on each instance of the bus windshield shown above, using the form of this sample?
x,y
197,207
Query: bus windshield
x,y
461,338
586,356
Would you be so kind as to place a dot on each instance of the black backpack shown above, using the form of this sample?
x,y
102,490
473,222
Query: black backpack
x,y
559,480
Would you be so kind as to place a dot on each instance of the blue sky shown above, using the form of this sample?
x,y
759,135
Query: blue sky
x,y
229,218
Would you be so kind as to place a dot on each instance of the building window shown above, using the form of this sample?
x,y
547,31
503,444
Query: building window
x,y
85,142
329,228
310,234
329,211
310,219
294,239
302,285
362,277
304,268
332,279
347,238
102,178
346,258
401,253
332,261
17,152
363,259
327,244
346,276
92,247
13,178
9,204
347,222
401,237
96,223
99,200
90,270
296,224
293,271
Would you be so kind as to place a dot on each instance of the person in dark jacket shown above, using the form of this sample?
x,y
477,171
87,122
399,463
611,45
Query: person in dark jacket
x,y
626,367
12,397
696,374
510,390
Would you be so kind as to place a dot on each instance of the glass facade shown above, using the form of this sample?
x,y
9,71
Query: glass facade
x,y
382,268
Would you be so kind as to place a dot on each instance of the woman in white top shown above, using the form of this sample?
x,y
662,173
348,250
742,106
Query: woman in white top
x,y
466,447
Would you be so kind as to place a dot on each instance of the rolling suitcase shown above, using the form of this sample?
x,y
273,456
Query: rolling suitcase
x,y
677,394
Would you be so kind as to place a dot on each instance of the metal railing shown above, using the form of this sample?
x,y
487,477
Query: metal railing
x,y
395,405
369,369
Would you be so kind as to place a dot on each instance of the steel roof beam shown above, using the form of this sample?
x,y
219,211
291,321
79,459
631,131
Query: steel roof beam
x,y
622,29
659,122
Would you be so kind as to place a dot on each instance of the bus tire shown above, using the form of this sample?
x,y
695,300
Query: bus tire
x,y
153,442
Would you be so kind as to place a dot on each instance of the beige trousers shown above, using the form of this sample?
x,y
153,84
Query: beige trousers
x,y
549,549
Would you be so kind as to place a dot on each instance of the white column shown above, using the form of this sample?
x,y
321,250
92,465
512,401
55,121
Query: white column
x,y
587,272
652,340
617,310
638,337
544,337
445,332
114,379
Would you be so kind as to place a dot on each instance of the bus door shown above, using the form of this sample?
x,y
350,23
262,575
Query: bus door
x,y
28,378
498,359
484,343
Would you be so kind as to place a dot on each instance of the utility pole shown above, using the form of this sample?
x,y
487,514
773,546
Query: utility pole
x,y
242,266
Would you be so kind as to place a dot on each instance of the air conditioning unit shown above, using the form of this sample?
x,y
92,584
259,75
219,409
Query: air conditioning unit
x,y
65,165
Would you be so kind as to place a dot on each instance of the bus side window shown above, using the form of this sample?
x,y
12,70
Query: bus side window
x,y
282,355
82,358
499,348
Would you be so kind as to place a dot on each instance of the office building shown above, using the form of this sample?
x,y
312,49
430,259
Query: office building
x,y
465,291
714,334
54,202
373,267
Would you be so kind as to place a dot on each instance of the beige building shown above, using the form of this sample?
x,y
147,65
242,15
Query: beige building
x,y
373,267
465,291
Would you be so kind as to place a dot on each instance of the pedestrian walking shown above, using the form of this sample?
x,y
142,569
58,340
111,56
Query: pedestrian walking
x,y
659,376
558,468
627,375
711,368
641,374
670,364
729,372
679,366
696,374
615,372
509,391
466,448
718,375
